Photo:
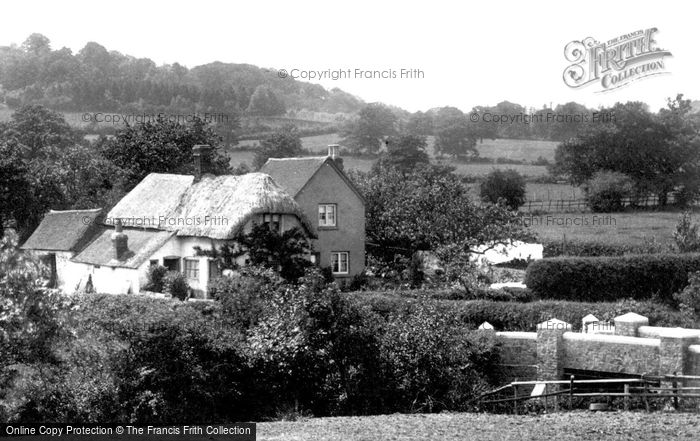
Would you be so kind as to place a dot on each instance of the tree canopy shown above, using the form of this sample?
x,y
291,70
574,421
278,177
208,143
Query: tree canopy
x,y
660,152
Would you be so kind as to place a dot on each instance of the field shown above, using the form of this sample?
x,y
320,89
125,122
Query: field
x,y
632,228
466,426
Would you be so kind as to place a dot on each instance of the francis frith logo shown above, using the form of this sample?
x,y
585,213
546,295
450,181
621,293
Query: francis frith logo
x,y
614,63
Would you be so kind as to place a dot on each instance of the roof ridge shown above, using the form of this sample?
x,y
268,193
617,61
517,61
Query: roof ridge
x,y
75,211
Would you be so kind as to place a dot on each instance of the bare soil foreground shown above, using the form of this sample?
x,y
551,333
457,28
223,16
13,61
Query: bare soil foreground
x,y
468,426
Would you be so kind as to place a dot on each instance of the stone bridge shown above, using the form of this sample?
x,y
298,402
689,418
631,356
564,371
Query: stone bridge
x,y
631,347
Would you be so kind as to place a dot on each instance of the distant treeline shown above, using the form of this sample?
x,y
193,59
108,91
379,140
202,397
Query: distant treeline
x,y
98,79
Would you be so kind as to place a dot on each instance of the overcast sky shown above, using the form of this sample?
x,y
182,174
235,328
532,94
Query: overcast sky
x,y
476,53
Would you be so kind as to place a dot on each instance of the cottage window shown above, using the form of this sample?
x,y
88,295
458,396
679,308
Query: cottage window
x,y
273,221
340,262
192,269
326,215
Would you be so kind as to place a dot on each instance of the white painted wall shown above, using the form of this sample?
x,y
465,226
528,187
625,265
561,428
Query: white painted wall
x,y
74,276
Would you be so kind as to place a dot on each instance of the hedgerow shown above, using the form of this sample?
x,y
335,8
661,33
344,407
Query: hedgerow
x,y
644,276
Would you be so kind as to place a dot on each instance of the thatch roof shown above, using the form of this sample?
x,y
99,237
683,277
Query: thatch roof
x,y
64,230
294,173
216,206
141,245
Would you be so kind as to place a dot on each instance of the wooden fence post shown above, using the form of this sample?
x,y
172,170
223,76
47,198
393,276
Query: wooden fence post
x,y
571,392
646,395
515,401
627,396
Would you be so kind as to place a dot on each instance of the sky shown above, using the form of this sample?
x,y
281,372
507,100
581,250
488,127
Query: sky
x,y
466,53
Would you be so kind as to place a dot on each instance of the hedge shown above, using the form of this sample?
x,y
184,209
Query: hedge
x,y
515,316
645,276
559,248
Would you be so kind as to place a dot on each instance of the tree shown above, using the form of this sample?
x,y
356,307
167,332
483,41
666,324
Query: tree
x,y
375,123
161,147
425,209
508,185
265,102
38,130
37,44
419,124
284,143
659,152
286,253
47,169
14,183
454,134
405,152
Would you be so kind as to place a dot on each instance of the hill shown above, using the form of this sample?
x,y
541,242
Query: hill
x,y
97,79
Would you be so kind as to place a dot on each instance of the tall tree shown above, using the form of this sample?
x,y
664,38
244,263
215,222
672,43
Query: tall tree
x,y
454,133
659,152
375,123
284,143
405,152
161,147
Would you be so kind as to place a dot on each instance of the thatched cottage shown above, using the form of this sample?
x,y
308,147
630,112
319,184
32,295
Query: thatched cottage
x,y
162,220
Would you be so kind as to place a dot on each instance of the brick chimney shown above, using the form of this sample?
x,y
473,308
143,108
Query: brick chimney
x,y
333,151
120,241
334,154
202,160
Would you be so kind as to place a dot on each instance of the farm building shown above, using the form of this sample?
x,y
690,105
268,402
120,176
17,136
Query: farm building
x,y
324,193
160,222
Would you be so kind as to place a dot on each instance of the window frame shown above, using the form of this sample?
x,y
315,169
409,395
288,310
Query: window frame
x,y
187,270
335,215
273,221
340,261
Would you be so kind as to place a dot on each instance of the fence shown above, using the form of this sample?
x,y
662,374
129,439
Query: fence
x,y
579,204
649,389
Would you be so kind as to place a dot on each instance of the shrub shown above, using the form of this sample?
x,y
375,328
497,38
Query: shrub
x,y
599,249
431,362
606,190
175,284
611,278
243,296
504,184
689,299
687,236
155,277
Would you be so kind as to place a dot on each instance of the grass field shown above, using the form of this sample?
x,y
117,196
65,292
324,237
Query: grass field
x,y
467,426
633,228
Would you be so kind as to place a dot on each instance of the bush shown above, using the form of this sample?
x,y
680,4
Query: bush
x,y
611,278
504,184
243,296
431,362
606,190
599,249
689,299
687,236
175,284
155,278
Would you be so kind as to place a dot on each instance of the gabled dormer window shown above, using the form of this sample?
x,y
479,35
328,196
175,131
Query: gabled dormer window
x,y
327,215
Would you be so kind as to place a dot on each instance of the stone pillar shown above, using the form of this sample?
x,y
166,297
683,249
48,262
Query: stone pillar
x,y
628,324
550,349
673,350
